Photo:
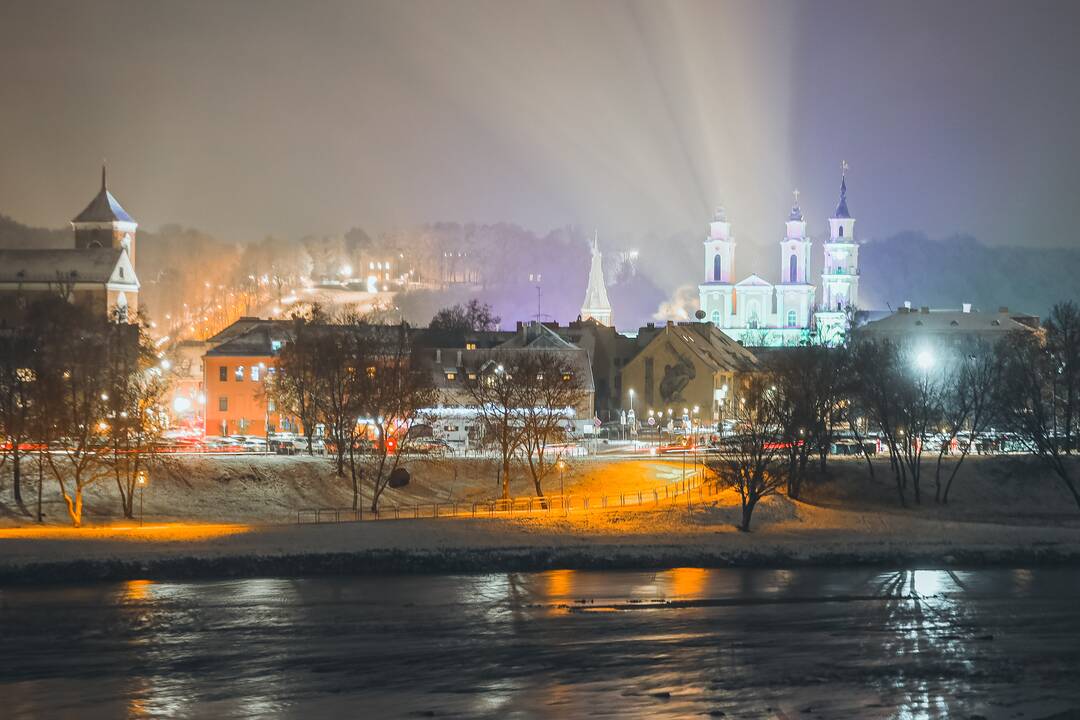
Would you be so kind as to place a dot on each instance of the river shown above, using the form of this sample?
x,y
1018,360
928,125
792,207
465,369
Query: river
x,y
806,643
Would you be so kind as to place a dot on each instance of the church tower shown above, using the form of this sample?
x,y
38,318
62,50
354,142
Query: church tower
x,y
840,276
596,305
794,296
716,293
104,223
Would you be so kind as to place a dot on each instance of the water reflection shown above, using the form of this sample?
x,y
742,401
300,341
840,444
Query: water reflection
x,y
748,643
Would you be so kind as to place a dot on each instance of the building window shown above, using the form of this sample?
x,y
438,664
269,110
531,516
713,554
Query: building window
x,y
472,376
841,231
793,268
717,266
223,373
275,345
791,318
238,374
716,318
242,425
271,406
470,346
451,376
254,373
121,273
566,377
223,404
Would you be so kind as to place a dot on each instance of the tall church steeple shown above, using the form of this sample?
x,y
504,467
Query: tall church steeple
x,y
596,305
105,223
840,276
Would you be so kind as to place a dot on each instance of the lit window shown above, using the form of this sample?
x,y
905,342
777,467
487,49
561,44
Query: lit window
x,y
238,374
451,376
566,377
472,376
371,371
470,346
275,345
271,406
254,373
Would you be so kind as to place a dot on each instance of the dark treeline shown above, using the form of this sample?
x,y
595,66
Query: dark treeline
x,y
927,405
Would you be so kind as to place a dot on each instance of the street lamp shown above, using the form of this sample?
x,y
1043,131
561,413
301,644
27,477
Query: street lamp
x,y
140,480
562,489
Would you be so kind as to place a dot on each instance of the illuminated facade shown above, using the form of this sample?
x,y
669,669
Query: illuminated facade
x,y
757,312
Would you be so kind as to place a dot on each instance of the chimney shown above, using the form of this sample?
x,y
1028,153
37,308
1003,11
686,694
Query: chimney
x,y
907,304
1003,310
671,323
967,308
438,355
925,309
519,326
651,326
459,358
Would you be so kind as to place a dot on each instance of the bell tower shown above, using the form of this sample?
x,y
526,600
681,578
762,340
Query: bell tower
x,y
840,276
104,223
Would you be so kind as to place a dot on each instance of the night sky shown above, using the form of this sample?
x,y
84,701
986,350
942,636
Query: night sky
x,y
246,118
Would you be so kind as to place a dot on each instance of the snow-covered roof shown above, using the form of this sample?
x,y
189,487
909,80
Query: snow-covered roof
x,y
923,321
94,265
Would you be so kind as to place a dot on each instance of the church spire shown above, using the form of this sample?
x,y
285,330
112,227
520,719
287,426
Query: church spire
x,y
796,211
841,208
596,305
104,186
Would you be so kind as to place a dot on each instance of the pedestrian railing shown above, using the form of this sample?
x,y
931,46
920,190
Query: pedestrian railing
x,y
514,507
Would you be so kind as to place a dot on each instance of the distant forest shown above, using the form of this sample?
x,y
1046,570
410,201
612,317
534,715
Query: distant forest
x,y
500,263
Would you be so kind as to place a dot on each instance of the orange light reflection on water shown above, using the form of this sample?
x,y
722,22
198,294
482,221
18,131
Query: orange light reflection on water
x,y
687,581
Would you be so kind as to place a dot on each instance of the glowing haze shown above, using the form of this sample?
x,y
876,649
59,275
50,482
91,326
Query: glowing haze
x,y
253,117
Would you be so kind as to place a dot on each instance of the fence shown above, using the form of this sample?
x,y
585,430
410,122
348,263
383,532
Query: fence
x,y
511,507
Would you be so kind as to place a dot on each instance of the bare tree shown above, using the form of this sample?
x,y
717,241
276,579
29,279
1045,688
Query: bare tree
x,y
135,416
17,376
751,463
807,384
967,405
498,400
554,390
1031,402
396,394
294,385
72,394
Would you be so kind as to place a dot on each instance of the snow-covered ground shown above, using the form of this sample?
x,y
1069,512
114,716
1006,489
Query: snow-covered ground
x,y
235,515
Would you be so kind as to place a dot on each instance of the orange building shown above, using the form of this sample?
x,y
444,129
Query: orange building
x,y
235,372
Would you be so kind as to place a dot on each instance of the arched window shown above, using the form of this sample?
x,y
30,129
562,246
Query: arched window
x,y
793,268
717,266
716,318
841,231
792,318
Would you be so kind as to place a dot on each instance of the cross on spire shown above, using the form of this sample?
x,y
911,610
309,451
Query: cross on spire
x,y
103,185
844,168
796,194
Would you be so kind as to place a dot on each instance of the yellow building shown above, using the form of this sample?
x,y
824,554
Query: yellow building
x,y
686,365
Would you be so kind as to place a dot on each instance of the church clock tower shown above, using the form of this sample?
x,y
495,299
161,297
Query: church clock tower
x,y
104,223
840,276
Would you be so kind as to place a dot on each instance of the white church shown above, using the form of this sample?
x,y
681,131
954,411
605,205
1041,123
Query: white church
x,y
759,313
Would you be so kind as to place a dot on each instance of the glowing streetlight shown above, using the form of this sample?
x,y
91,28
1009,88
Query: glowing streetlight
x,y
924,360
140,480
